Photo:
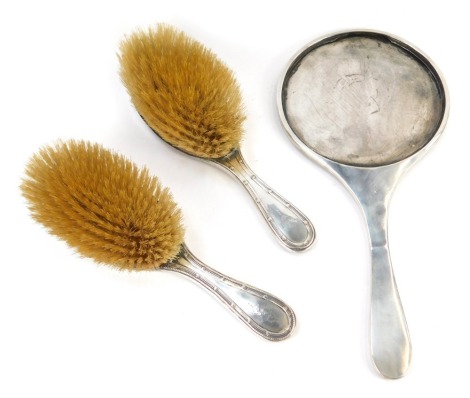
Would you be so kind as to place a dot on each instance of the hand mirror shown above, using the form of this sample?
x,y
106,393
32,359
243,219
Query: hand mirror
x,y
366,105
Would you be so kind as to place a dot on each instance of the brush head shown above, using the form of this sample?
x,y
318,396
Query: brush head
x,y
103,205
183,91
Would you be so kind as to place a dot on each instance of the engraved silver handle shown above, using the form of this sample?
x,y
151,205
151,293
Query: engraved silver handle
x,y
265,314
390,340
290,225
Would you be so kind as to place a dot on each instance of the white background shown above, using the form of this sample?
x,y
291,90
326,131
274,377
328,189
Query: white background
x,y
70,328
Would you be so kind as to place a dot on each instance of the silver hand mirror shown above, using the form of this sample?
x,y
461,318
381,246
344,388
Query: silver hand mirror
x,y
366,105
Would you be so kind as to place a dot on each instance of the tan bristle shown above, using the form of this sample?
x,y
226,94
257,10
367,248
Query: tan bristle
x,y
183,91
103,205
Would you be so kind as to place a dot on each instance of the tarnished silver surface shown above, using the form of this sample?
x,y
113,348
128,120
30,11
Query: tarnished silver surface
x,y
288,223
366,105
362,101
264,313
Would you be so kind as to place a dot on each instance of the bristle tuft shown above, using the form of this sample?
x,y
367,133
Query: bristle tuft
x,y
183,91
103,205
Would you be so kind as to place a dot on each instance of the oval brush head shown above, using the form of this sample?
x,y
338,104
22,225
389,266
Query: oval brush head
x,y
103,205
183,91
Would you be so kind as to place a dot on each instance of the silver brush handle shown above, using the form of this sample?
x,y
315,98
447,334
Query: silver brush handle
x,y
265,314
290,225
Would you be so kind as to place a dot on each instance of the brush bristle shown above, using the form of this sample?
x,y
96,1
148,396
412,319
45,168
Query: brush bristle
x,y
183,91
103,205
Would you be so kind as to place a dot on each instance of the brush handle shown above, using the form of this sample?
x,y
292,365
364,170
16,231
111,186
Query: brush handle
x,y
290,225
265,314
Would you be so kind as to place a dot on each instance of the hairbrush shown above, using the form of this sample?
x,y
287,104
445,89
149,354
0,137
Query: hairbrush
x,y
189,98
107,208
